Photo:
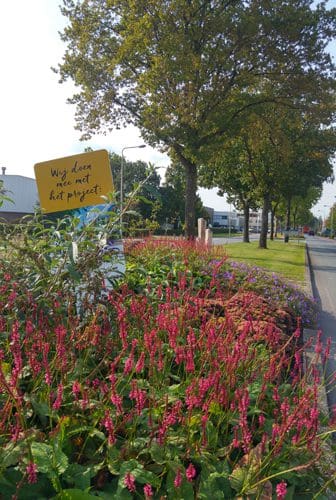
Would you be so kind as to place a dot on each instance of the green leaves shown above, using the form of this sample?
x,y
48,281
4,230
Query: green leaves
x,y
183,492
79,475
74,494
139,387
158,453
216,486
11,454
49,459
140,474
195,75
214,480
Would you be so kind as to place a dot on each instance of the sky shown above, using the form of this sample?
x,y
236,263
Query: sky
x,y
36,123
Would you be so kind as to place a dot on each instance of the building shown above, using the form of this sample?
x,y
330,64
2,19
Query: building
x,y
226,219
23,193
235,220
255,221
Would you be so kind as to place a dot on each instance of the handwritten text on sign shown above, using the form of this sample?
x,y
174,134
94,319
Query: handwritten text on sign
x,y
74,181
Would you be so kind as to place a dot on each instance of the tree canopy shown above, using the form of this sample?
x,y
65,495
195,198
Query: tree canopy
x,y
277,155
187,72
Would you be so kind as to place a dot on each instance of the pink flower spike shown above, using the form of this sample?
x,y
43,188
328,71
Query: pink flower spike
x,y
190,472
58,400
178,479
148,491
129,481
281,490
31,470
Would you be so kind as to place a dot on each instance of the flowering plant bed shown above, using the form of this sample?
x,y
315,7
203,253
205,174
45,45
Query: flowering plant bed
x,y
185,382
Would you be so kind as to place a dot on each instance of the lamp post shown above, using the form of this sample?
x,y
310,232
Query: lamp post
x,y
320,221
140,146
230,222
324,217
332,220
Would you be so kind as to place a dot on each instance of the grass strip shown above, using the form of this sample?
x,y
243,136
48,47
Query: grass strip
x,y
285,259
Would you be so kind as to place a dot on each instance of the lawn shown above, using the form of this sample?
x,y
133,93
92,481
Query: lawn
x,y
287,260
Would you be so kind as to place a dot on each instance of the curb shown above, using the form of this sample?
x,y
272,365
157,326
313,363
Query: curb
x,y
309,333
308,273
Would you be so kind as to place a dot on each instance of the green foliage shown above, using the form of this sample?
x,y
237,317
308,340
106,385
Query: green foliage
x,y
188,73
159,385
74,494
277,156
3,196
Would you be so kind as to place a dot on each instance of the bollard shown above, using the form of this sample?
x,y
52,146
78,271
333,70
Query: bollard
x,y
208,237
201,230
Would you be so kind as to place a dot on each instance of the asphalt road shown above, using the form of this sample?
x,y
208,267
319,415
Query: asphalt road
x,y
233,239
322,256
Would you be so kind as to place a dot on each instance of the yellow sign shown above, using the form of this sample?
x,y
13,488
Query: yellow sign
x,y
74,181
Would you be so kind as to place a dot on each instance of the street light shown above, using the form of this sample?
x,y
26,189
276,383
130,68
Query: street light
x,y
140,146
324,225
230,222
332,220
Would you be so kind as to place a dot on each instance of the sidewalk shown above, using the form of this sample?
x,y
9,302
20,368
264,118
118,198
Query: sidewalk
x,y
327,462
309,333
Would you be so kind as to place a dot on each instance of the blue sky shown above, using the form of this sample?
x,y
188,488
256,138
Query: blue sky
x,y
36,124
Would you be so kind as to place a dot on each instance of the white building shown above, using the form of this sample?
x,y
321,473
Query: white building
x,y
235,220
226,219
23,193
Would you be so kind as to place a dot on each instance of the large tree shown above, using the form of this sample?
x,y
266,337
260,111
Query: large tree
x,y
184,71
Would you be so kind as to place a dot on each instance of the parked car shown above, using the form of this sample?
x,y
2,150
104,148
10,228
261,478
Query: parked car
x,y
311,232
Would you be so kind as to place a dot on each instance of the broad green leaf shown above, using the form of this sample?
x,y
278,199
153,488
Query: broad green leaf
x,y
211,434
79,476
74,494
41,409
145,476
141,475
158,453
216,486
114,461
237,478
38,491
49,460
10,455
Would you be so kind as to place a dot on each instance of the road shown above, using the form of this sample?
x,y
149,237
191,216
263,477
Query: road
x,y
233,239
322,256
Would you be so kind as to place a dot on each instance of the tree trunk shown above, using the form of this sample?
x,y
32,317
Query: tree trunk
x,y
190,202
288,214
190,195
246,234
264,222
272,223
294,217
